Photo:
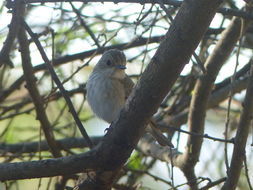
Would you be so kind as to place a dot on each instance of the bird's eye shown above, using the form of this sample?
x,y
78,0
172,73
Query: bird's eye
x,y
108,63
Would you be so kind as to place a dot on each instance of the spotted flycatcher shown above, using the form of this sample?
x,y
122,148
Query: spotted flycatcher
x,y
108,88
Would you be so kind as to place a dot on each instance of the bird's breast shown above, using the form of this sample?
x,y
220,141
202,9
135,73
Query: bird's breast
x,y
105,96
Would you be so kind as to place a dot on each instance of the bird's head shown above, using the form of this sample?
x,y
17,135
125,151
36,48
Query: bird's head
x,y
112,64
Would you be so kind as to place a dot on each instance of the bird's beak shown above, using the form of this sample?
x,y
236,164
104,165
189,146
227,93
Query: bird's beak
x,y
120,67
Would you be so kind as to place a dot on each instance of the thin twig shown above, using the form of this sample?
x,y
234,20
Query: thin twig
x,y
13,30
33,147
233,78
241,137
85,26
34,92
59,84
213,183
83,55
156,178
199,135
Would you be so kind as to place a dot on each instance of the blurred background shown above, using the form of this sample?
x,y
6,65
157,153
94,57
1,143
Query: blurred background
x,y
73,34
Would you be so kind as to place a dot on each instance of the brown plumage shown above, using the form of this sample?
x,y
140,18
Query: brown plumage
x,y
108,88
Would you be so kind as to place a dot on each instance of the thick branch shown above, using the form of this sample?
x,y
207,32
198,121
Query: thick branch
x,y
178,46
193,18
49,168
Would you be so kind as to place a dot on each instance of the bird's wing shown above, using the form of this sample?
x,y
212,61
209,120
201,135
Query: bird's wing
x,y
128,85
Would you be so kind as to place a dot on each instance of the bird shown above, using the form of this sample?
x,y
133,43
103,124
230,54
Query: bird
x,y
108,88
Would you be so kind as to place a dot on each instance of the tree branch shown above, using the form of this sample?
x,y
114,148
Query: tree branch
x,y
154,85
213,183
202,91
13,30
33,147
85,26
34,92
216,97
83,55
49,168
175,3
47,98
241,137
79,56
59,84
154,150
193,18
